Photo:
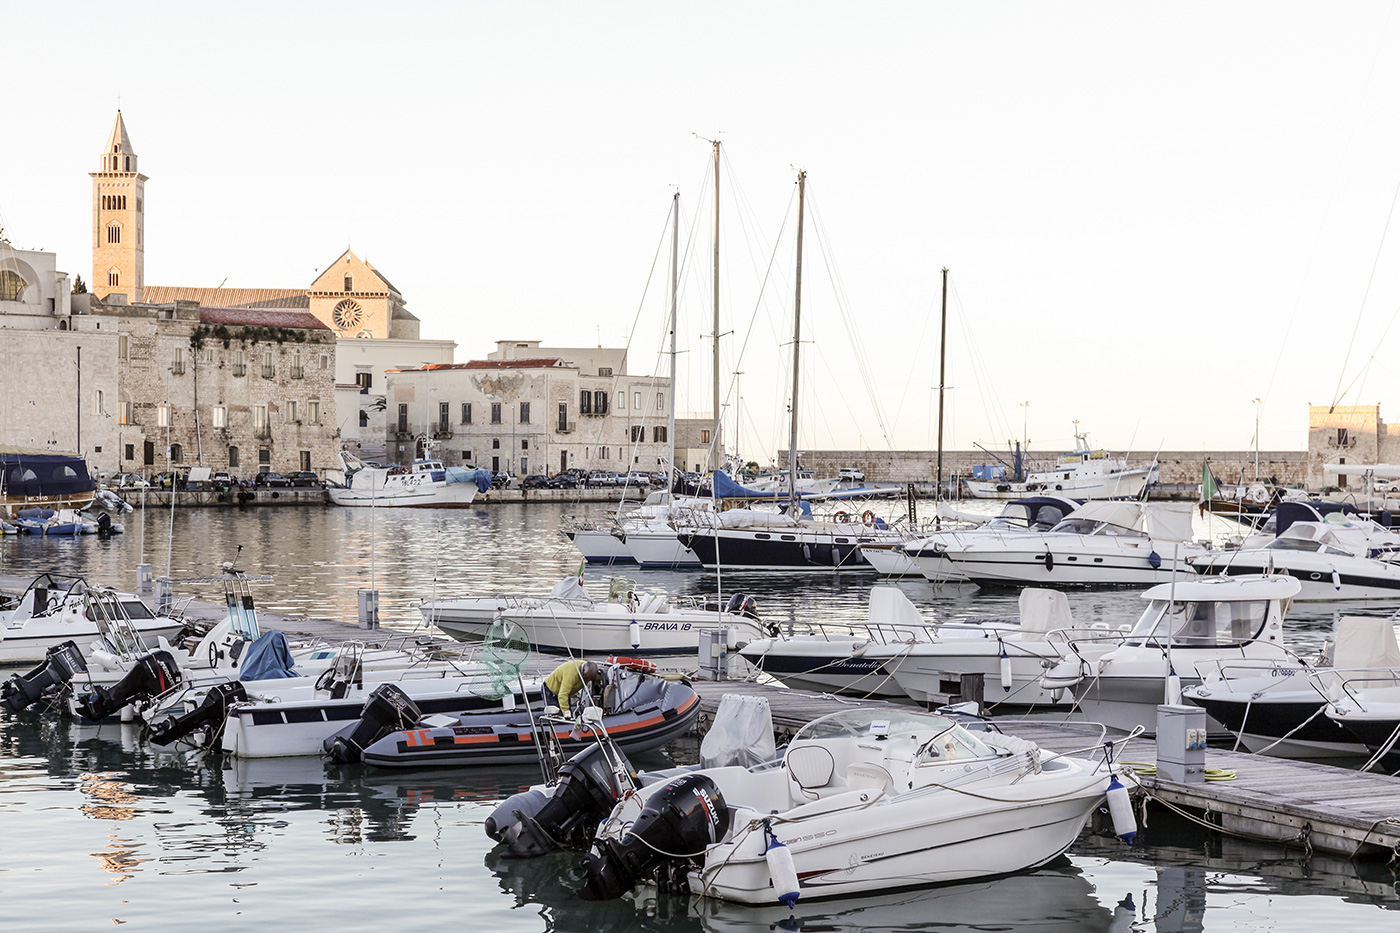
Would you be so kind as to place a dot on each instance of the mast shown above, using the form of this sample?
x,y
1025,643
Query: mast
x,y
675,252
796,345
942,360
715,379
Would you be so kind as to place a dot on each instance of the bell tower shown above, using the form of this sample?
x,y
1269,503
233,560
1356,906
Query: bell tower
x,y
118,221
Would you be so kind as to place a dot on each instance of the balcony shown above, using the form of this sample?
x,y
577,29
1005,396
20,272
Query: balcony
x,y
239,369
565,427
441,434
297,372
178,367
269,372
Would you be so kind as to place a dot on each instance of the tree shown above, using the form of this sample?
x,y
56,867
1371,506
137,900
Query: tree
x,y
79,286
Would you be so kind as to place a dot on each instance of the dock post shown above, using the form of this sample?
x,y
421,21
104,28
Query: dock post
x,y
1181,743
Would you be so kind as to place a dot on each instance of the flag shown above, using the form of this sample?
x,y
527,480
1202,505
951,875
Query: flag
x,y
1209,487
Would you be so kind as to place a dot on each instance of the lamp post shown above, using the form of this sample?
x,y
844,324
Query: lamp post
x,y
1257,402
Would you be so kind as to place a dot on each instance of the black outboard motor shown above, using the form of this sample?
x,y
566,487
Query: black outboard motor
x,y
533,822
683,818
388,709
213,710
152,675
60,663
744,605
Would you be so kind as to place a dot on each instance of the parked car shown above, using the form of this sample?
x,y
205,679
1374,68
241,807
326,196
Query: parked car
x,y
851,474
304,478
659,478
130,480
566,480
500,480
603,478
637,479
535,481
223,478
166,479
271,480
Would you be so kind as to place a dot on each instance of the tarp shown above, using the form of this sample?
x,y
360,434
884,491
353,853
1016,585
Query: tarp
x,y
482,478
1044,610
1365,642
268,658
44,475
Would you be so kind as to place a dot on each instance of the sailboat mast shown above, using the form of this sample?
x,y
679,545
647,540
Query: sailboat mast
x,y
675,254
714,460
942,362
796,346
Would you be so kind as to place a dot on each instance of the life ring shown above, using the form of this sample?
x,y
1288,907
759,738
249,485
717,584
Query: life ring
x,y
633,664
868,517
842,516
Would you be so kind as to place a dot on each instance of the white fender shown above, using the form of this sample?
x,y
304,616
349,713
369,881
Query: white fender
x,y
783,873
634,631
1120,807
1005,671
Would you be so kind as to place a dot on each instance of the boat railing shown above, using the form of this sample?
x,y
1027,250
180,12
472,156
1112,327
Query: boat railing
x,y
1357,682
878,633
105,609
1230,672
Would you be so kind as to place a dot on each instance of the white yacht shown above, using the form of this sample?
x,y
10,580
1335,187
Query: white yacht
x,y
1084,474
428,484
1031,514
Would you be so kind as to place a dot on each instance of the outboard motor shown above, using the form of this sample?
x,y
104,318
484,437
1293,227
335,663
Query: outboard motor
x,y
152,675
388,709
744,605
212,711
60,663
532,822
684,816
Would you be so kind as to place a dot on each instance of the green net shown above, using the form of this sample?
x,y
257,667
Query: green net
x,y
504,655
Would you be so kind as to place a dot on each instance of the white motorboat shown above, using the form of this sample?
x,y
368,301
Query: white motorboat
x,y
427,484
1031,514
846,659
863,801
1102,543
1340,558
569,620
1084,474
1189,629
55,608
1367,705
1280,711
1011,655
599,541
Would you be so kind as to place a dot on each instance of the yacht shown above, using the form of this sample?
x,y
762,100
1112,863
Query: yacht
x,y
1084,474
427,484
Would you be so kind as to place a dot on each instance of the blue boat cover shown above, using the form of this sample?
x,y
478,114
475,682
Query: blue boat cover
x,y
44,475
268,658
481,477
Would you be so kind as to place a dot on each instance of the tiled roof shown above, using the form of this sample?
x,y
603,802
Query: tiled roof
x,y
261,317
229,297
543,363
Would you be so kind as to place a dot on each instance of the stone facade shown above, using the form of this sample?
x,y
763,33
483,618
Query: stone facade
x,y
118,222
34,295
357,301
532,409
1343,435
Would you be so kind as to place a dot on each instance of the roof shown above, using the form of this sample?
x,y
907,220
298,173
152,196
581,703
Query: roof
x,y
229,297
260,317
1218,589
117,140
541,363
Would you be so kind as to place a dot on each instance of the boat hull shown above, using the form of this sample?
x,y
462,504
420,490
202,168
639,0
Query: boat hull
x,y
778,549
828,666
1286,726
600,547
659,549
424,495
1356,578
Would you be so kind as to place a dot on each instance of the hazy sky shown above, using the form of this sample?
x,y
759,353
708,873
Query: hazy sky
x,y
1153,213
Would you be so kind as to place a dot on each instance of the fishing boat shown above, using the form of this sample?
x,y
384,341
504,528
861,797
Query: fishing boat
x,y
1189,629
1279,710
569,620
427,484
1085,473
863,801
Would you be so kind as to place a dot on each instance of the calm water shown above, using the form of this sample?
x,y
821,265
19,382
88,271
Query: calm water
x,y
98,829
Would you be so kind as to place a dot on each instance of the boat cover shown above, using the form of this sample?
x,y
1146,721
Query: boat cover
x,y
1044,610
889,606
1366,642
268,658
32,475
741,734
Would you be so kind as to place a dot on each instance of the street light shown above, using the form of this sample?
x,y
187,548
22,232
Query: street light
x,y
1257,403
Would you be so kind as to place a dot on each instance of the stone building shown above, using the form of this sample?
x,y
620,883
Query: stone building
x,y
1340,436
118,222
532,409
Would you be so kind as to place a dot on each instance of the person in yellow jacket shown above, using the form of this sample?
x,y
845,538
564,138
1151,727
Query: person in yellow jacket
x,y
566,680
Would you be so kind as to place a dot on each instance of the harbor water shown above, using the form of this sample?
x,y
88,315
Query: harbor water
x,y
100,829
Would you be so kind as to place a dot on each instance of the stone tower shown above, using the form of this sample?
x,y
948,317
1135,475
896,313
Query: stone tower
x,y
118,221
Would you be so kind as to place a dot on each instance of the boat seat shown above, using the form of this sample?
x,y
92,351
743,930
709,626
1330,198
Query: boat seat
x,y
811,767
864,775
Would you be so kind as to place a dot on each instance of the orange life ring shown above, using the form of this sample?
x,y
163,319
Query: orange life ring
x,y
633,664
868,517
842,516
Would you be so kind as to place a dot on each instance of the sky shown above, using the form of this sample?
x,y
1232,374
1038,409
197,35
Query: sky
x,y
1153,214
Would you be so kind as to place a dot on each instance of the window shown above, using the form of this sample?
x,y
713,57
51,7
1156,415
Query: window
x,y
264,457
114,278
563,416
637,400
524,465
364,380
289,410
177,453
269,369
130,452
239,367
605,370
525,444
658,434
124,414
123,350
466,412
163,416
600,402
524,412
495,412
177,361
220,416
444,409
403,419
622,401
349,283
638,433
313,412
364,418
260,417
232,458
585,402
305,460
325,361
705,436
297,371
139,206
114,233
495,443
97,399
1341,437
11,285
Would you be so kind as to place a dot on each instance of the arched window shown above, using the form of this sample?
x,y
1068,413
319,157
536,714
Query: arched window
x,y
114,233
12,285
114,278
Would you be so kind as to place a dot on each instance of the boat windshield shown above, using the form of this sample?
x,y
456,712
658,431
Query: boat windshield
x,y
1303,544
867,723
1077,526
1206,624
954,744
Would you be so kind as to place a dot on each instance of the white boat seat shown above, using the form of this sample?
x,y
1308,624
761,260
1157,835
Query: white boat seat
x,y
864,775
811,766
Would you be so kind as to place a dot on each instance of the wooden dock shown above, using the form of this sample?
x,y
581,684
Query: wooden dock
x,y
1303,805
